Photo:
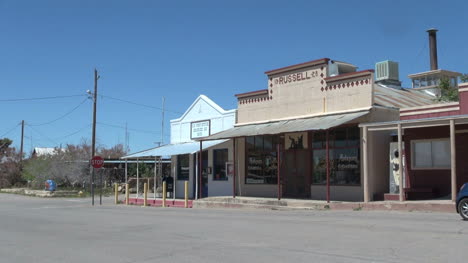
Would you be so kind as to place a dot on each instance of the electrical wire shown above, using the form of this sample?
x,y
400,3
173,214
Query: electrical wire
x,y
73,133
61,117
139,104
41,134
6,133
121,127
42,98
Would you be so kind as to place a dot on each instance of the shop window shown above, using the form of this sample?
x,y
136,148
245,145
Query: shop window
x,y
430,154
183,168
344,157
219,164
261,160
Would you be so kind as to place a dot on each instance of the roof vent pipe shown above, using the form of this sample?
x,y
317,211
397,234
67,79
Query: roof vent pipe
x,y
433,48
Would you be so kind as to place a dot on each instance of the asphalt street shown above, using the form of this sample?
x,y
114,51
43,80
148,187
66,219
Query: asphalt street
x,y
71,230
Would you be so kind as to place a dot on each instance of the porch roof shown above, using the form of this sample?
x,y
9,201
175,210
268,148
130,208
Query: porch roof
x,y
322,122
416,123
173,149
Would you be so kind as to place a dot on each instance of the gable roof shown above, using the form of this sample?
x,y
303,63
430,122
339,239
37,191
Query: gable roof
x,y
209,102
41,151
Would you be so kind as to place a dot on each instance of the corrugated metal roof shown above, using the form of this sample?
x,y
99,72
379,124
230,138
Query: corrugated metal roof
x,y
41,151
173,149
401,98
295,125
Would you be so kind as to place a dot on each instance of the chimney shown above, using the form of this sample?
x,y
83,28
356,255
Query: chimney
x,y
433,48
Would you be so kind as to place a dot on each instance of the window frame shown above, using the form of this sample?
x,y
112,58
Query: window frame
x,y
413,142
225,178
264,154
332,148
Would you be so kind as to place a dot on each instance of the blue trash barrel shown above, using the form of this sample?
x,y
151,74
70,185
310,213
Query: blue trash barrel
x,y
50,185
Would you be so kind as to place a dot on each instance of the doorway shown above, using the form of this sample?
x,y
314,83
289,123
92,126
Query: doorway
x,y
296,174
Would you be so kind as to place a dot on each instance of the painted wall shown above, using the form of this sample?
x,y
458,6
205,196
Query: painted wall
x,y
378,155
215,187
313,94
202,108
438,179
254,190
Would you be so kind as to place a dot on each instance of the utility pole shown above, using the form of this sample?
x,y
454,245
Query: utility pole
x,y
93,143
162,124
22,141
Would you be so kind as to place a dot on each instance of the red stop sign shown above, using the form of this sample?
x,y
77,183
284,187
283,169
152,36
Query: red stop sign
x,y
97,162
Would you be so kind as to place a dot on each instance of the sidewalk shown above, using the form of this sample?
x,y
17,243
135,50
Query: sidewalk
x,y
297,204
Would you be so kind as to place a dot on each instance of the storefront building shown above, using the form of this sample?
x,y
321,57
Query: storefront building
x,y
434,143
300,138
202,118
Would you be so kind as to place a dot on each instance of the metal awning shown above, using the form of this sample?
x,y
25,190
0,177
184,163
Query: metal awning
x,y
173,149
295,125
416,123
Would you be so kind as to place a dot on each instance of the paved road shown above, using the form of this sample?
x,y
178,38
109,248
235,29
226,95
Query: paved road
x,y
70,230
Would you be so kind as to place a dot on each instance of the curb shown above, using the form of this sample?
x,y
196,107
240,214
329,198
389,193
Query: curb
x,y
402,207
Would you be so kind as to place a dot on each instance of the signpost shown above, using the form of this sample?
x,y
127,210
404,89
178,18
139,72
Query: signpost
x,y
97,162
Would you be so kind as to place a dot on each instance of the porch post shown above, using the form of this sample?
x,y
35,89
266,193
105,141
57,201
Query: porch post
x,y
402,194
453,162
200,173
234,166
196,156
126,171
327,158
138,180
278,169
365,164
155,176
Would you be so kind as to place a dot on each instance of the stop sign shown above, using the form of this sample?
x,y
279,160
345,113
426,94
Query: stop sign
x,y
97,162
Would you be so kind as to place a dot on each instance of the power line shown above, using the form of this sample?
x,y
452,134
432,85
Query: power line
x,y
61,117
73,133
140,104
6,133
41,134
123,127
41,98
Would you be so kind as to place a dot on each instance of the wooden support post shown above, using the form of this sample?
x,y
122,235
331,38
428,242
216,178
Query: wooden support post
x,y
402,194
164,195
234,168
453,162
327,160
127,194
186,194
278,169
145,194
365,164
116,190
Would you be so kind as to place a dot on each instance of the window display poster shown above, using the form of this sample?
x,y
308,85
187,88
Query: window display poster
x,y
230,169
297,140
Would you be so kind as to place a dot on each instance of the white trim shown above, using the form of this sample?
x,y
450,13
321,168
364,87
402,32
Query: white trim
x,y
462,89
209,102
430,111
430,106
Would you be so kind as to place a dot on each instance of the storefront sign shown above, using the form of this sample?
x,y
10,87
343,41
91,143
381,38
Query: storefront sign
x,y
296,77
200,129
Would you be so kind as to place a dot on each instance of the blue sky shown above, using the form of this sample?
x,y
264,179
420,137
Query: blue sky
x,y
146,50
